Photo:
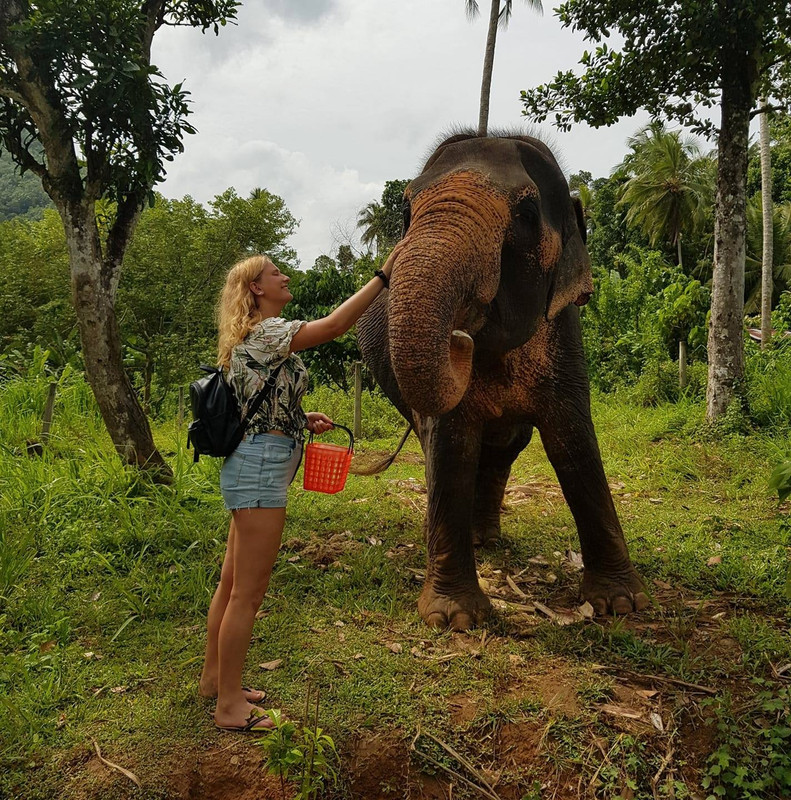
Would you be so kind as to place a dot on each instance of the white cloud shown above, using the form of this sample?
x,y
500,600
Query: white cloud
x,y
322,102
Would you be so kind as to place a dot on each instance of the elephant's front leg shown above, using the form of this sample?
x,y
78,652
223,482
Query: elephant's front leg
x,y
451,595
610,581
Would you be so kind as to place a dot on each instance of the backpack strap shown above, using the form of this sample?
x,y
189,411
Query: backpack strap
x,y
269,385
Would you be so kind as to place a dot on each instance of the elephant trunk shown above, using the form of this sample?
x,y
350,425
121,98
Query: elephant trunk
x,y
450,265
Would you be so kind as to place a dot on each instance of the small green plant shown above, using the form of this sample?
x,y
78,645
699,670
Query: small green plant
x,y
753,756
303,754
780,480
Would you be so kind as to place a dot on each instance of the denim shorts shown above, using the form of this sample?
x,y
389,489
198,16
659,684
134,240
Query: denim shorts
x,y
257,474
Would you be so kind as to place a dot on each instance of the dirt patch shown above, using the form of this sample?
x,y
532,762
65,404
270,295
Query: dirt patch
x,y
324,551
377,766
233,772
462,709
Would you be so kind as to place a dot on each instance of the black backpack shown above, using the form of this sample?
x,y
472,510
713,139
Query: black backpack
x,y
217,426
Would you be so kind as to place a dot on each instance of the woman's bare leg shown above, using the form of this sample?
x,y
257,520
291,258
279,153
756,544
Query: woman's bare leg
x,y
257,536
208,680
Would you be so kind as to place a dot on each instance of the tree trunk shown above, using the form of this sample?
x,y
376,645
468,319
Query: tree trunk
x,y
93,293
725,343
678,251
148,374
488,67
682,363
768,219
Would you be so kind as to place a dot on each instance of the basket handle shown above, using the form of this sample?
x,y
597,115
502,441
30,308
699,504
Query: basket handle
x,y
342,427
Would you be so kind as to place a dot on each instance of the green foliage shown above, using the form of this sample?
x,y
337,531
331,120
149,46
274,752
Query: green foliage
x,y
780,480
670,185
752,760
173,271
768,390
124,117
35,305
316,293
780,132
641,307
608,233
781,252
305,753
383,222
674,61
21,195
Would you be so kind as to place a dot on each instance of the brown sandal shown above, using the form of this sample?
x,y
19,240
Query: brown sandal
x,y
251,724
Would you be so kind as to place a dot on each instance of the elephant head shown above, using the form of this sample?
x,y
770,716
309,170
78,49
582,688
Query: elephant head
x,y
493,245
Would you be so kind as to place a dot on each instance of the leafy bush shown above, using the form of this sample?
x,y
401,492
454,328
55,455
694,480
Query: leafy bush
x,y
379,417
753,757
659,384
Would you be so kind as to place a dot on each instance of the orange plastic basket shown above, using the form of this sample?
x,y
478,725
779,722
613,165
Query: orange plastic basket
x,y
327,465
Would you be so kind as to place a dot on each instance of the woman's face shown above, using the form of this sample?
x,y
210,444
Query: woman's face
x,y
272,284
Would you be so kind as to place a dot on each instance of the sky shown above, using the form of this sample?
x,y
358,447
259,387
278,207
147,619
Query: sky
x,y
322,101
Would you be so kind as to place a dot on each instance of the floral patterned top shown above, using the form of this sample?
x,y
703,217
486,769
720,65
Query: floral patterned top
x,y
252,361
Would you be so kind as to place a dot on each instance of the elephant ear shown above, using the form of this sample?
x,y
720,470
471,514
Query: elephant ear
x,y
572,281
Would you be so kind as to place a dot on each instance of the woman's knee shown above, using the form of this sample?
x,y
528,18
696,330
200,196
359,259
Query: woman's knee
x,y
248,596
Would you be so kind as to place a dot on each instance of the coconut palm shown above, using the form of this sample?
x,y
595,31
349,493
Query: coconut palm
x,y
781,248
373,221
671,185
499,15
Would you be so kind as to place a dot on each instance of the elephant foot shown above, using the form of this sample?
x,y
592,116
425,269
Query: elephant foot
x,y
614,592
485,534
460,610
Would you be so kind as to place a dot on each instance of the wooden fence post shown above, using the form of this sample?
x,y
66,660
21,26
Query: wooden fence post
x,y
49,408
358,393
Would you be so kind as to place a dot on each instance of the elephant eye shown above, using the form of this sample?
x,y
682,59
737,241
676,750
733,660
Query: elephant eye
x,y
526,209
406,212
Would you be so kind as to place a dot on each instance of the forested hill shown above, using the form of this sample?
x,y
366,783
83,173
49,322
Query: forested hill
x,y
20,195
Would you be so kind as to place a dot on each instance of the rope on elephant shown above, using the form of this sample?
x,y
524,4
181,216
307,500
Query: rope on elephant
x,y
357,468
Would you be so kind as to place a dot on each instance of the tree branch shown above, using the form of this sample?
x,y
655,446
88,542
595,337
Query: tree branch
x,y
11,94
127,214
154,12
766,109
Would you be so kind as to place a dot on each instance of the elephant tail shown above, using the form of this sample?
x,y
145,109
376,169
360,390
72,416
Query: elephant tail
x,y
379,466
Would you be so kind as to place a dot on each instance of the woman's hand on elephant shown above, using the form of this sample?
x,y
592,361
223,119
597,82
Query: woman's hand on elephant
x,y
318,422
388,265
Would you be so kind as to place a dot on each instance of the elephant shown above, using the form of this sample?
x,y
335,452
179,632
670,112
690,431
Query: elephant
x,y
477,341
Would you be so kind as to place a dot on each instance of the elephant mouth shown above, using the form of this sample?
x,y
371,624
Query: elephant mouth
x,y
461,349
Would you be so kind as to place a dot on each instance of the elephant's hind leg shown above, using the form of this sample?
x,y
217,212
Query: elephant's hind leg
x,y
498,453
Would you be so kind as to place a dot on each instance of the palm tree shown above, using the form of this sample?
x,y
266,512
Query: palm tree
x,y
670,187
497,16
768,237
373,220
781,246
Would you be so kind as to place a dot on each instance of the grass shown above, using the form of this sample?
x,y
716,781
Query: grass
x,y
105,580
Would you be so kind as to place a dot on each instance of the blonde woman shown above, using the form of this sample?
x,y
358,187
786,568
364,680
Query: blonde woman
x,y
254,341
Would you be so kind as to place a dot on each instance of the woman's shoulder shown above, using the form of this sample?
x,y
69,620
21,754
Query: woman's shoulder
x,y
273,327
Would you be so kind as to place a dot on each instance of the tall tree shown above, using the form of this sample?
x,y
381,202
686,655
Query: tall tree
x,y
768,232
670,185
382,222
499,16
677,58
372,221
77,85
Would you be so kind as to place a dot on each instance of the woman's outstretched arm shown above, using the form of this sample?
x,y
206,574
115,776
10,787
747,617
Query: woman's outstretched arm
x,y
346,314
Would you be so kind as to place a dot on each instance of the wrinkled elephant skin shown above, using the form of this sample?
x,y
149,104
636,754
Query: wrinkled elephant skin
x,y
476,342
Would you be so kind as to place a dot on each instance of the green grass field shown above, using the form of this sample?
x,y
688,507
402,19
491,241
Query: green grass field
x,y
105,580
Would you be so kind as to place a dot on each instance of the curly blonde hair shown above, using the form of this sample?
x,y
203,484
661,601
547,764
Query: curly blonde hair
x,y
237,313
